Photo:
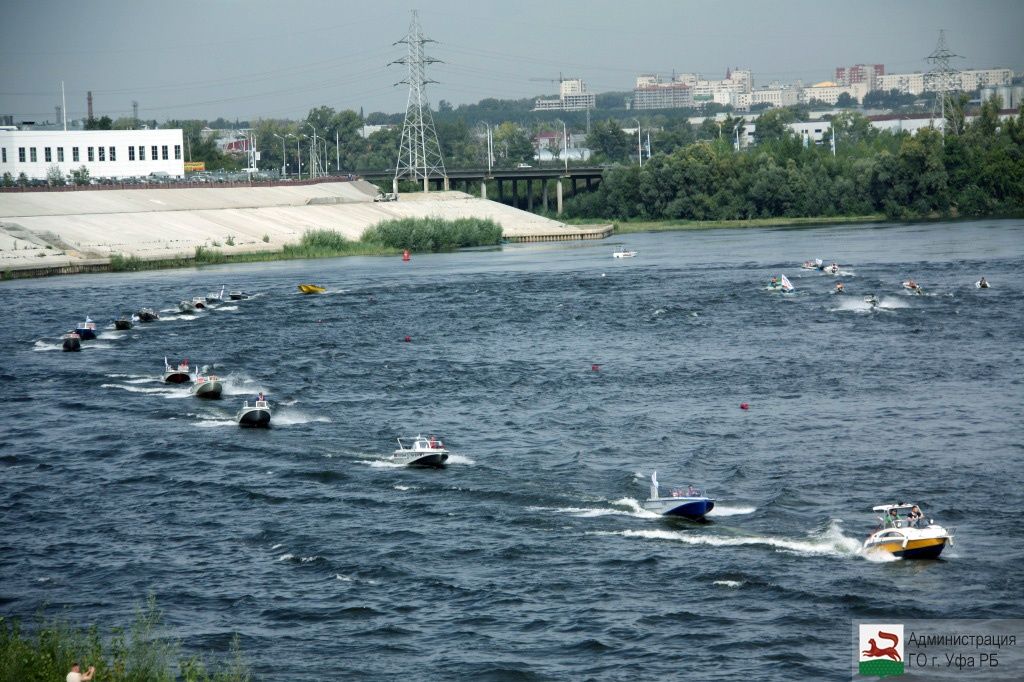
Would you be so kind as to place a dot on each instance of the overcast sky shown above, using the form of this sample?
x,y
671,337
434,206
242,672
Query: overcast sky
x,y
257,58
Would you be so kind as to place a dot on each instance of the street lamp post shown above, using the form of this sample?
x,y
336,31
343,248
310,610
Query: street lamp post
x,y
283,154
312,152
490,151
565,145
639,148
298,153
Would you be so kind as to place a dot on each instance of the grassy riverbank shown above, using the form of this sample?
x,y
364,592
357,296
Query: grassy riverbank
x,y
674,225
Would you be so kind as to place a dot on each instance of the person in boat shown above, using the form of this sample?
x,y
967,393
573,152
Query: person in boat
x,y
890,519
840,288
911,284
774,284
915,517
691,491
260,397
983,283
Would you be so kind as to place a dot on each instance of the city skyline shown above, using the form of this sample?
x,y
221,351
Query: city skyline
x,y
264,60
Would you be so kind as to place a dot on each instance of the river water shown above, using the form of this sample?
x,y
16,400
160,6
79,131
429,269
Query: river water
x,y
560,379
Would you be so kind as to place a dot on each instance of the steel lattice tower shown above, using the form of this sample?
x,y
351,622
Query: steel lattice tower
x,y
943,79
419,155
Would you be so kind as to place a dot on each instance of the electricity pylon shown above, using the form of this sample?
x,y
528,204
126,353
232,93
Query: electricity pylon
x,y
419,155
943,80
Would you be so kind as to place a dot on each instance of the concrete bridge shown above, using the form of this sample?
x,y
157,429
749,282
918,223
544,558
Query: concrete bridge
x,y
538,183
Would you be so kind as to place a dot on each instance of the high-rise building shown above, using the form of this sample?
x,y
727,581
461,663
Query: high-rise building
x,y
859,73
572,96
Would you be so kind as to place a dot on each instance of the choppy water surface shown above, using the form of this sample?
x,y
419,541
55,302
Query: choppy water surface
x,y
529,557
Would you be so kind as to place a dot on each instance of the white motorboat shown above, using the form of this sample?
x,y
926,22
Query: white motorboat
x,y
423,452
205,385
690,503
913,287
910,536
199,302
624,254
982,284
177,375
214,297
255,415
815,264
187,307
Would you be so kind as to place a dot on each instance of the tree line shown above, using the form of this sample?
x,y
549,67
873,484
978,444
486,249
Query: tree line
x,y
977,169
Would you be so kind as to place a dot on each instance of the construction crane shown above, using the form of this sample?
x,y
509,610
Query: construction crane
x,y
549,80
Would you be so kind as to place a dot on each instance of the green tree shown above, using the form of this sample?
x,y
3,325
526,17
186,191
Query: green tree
x,y
80,175
774,124
8,180
54,176
608,141
512,143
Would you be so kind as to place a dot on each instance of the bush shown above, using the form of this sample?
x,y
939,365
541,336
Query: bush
x,y
266,239
434,234
122,263
230,241
46,651
205,256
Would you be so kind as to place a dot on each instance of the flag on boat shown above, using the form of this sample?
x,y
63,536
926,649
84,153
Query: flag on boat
x,y
786,284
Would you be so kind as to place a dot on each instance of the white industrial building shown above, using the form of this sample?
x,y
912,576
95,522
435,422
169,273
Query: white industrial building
x,y
572,96
105,153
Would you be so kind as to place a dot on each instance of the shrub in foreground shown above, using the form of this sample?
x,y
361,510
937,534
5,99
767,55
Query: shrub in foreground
x,y
434,234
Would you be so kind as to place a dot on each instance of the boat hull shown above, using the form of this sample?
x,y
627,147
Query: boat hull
x,y
123,325
85,333
925,548
71,345
311,289
254,417
434,460
694,508
147,316
208,389
177,377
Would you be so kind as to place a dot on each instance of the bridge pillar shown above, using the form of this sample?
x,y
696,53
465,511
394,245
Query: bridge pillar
x,y
447,186
558,195
483,189
394,185
544,196
501,190
529,196
515,193
588,183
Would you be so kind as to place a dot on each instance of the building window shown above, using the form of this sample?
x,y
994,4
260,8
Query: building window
x,y
113,154
60,154
103,153
47,154
153,155
165,152
32,154
177,152
142,153
131,153
4,151
92,154
21,155
74,154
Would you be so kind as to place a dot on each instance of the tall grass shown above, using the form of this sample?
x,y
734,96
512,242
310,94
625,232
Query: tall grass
x,y
45,652
434,234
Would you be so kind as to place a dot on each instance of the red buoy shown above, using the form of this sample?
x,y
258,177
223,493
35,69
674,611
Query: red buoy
x,y
408,339
744,406
595,367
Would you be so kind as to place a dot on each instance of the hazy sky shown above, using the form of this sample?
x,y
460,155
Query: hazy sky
x,y
256,58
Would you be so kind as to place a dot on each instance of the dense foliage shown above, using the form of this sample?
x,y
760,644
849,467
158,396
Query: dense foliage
x,y
434,234
979,171
45,651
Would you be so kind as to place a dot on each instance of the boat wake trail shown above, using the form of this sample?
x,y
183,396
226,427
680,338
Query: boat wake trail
x,y
161,390
830,542
731,510
46,345
459,459
294,417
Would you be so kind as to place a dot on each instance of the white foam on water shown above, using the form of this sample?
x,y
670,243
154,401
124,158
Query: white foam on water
x,y
226,307
728,583
460,459
878,556
731,510
171,318
205,423
635,508
403,488
293,417
831,542
116,334
308,559
277,546
286,557
139,389
45,345
382,463
90,345
240,384
343,578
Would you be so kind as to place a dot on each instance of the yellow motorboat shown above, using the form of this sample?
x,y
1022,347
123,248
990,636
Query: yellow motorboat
x,y
910,536
311,289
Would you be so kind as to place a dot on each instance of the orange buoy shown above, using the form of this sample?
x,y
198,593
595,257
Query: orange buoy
x,y
744,406
595,367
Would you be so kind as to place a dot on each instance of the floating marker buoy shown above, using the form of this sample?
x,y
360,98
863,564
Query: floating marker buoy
x,y
595,368
744,406
408,339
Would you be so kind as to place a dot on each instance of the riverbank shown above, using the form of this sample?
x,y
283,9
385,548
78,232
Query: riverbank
x,y
673,225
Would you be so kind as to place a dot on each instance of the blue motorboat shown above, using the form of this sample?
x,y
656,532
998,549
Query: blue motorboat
x,y
86,330
688,503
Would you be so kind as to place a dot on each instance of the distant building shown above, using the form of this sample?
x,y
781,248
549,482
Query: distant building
x,y
690,90
859,73
785,96
829,92
967,80
572,96
657,95
105,153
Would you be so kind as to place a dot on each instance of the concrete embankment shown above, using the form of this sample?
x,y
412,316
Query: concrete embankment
x,y
65,232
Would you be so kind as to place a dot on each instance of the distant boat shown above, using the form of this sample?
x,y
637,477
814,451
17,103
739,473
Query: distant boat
x,y
624,254
423,452
176,375
787,286
199,302
912,286
255,415
125,322
690,503
187,307
206,386
311,289
86,330
238,295
72,342
147,315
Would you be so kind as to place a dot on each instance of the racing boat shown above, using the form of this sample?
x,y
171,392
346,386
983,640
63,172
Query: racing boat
x,y
187,307
147,315
423,452
214,297
780,284
255,415
689,504
176,375
206,385
624,254
906,533
86,330
71,341
815,264
982,283
125,322
913,287
199,302
237,295
311,289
